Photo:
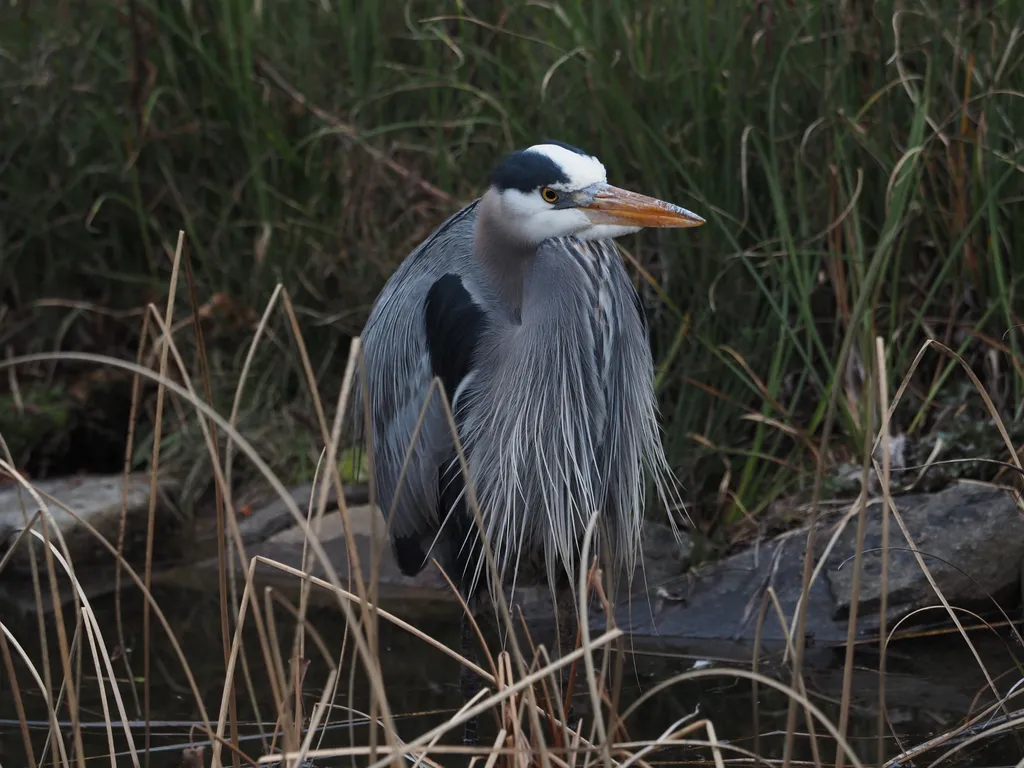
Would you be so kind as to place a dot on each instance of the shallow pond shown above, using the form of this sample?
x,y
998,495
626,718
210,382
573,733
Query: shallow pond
x,y
932,684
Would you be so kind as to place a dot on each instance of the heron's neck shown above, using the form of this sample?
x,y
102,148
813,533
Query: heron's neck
x,y
503,256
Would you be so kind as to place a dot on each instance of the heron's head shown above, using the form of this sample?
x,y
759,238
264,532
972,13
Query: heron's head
x,y
553,190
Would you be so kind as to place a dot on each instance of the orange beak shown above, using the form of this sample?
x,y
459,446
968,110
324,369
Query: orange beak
x,y
611,205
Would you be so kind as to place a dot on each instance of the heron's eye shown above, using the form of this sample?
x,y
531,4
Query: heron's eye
x,y
549,195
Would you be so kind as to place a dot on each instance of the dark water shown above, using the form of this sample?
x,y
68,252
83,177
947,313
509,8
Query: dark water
x,y
932,684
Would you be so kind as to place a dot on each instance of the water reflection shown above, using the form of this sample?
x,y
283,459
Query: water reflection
x,y
931,685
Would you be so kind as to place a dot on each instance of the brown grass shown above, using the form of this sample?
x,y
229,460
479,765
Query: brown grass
x,y
519,681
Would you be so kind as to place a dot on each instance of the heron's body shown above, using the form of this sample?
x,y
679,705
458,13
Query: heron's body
x,y
563,412
520,305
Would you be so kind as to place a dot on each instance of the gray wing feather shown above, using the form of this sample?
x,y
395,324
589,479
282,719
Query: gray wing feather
x,y
398,375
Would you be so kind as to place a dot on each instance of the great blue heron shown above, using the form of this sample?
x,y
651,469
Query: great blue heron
x,y
521,306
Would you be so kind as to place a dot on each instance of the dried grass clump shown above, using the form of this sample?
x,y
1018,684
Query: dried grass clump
x,y
521,686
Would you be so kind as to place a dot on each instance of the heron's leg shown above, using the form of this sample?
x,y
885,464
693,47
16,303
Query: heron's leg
x,y
469,681
568,628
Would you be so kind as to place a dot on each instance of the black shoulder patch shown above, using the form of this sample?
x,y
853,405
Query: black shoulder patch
x,y
527,171
454,323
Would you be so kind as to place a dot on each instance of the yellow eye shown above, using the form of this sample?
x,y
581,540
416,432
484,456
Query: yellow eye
x,y
549,195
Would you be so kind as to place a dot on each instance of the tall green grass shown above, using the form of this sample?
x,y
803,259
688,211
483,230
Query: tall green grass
x,y
859,164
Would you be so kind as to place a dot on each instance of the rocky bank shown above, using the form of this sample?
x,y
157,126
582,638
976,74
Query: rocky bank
x,y
969,535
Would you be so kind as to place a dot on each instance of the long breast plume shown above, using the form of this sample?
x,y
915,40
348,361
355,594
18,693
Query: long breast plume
x,y
560,421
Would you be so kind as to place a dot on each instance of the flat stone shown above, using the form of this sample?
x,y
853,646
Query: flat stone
x,y
268,513
262,513
96,501
269,531
270,516
721,602
971,538
426,589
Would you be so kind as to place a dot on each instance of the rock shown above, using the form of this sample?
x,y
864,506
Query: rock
x,y
974,539
721,602
262,514
269,514
268,530
427,589
974,534
96,500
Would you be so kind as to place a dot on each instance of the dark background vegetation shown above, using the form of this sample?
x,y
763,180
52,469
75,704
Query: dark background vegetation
x,y
859,163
